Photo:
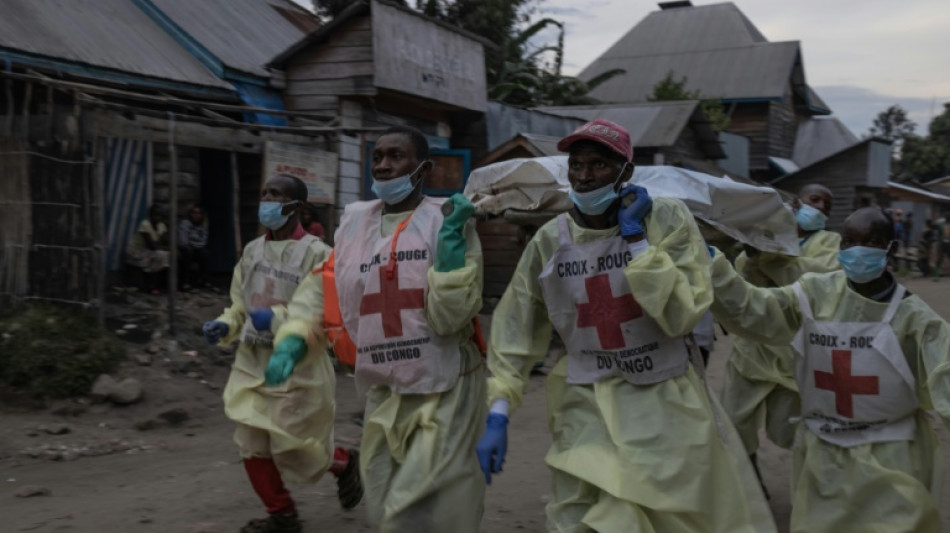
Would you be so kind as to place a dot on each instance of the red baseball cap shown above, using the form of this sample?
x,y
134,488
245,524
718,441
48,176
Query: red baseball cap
x,y
601,131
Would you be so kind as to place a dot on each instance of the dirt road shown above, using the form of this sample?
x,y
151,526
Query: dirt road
x,y
189,479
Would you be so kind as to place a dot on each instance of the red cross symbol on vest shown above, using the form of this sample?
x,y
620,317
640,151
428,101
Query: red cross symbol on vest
x,y
266,298
390,301
606,312
843,384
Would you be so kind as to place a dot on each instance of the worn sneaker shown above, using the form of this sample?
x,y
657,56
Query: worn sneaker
x,y
348,483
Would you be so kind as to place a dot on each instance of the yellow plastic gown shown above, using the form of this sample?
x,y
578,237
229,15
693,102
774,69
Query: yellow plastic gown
x,y
759,381
417,457
625,458
880,487
291,422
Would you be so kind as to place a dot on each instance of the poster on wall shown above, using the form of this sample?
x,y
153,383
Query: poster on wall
x,y
316,168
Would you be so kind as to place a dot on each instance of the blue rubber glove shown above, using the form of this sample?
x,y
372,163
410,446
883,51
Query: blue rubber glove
x,y
631,216
493,445
287,354
214,331
261,318
450,252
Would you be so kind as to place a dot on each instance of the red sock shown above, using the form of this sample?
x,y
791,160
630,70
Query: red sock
x,y
267,483
341,458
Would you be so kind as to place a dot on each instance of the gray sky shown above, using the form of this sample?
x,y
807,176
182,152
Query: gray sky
x,y
861,56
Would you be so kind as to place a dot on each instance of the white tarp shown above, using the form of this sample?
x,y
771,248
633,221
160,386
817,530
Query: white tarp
x,y
752,215
533,184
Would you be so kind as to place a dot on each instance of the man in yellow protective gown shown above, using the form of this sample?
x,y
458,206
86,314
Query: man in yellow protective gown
x,y
759,385
639,443
871,358
285,431
409,279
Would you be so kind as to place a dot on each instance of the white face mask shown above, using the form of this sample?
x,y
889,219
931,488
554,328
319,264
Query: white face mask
x,y
393,191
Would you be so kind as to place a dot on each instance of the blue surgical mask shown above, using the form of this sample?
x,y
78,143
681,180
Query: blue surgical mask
x,y
597,201
271,214
863,263
397,189
810,219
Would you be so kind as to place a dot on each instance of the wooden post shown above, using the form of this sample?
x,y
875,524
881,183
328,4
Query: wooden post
x,y
101,246
236,199
173,225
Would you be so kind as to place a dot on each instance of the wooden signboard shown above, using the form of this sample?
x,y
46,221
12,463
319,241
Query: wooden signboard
x,y
316,168
422,58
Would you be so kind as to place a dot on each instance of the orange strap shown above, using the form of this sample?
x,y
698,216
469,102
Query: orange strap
x,y
478,337
340,341
391,267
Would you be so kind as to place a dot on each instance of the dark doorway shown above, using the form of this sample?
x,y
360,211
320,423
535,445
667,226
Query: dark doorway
x,y
217,198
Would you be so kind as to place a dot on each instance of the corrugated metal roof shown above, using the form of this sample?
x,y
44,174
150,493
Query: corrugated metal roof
x,y
755,71
656,124
112,34
787,166
921,192
818,138
707,27
545,144
504,122
716,47
243,34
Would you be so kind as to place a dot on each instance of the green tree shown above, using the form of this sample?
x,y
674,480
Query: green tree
x,y
670,89
925,158
892,124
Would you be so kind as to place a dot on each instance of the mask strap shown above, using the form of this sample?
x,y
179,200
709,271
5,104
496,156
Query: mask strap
x,y
620,175
413,173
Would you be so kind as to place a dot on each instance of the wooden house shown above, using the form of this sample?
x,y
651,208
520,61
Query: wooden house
x,y
720,53
379,64
113,105
858,176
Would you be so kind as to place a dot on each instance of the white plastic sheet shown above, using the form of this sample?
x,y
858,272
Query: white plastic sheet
x,y
752,215
533,184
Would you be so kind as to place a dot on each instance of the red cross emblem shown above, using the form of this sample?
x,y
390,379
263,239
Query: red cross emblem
x,y
606,312
390,301
843,384
266,298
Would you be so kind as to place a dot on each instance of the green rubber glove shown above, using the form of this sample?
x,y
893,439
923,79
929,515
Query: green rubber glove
x,y
450,253
287,354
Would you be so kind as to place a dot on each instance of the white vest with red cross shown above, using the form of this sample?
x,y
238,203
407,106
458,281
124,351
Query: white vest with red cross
x,y
855,383
591,306
269,282
382,290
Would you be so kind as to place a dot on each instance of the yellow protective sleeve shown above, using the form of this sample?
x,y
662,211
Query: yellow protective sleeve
x,y
454,298
305,312
818,254
670,280
768,315
234,315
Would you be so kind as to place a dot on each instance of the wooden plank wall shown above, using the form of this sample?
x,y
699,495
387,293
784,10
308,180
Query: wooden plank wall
x,y
502,245
64,261
16,220
342,66
843,175
686,147
783,127
751,120
189,179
